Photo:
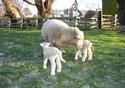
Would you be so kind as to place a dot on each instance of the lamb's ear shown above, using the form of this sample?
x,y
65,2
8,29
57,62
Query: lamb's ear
x,y
49,43
41,44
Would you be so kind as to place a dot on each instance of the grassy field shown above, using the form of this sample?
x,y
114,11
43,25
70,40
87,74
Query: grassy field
x,y
21,62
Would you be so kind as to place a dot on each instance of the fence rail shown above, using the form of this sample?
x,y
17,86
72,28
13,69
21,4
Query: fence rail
x,y
107,21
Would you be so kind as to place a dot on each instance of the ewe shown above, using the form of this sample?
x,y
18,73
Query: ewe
x,y
60,34
54,55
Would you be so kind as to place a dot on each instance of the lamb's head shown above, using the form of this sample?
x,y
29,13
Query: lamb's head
x,y
87,43
45,44
78,36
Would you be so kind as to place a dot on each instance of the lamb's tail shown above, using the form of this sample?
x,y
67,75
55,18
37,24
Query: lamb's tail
x,y
61,58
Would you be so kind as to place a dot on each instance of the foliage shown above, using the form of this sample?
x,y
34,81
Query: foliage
x,y
12,9
21,62
109,7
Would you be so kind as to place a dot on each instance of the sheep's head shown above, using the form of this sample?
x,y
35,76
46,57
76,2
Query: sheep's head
x,y
78,36
45,44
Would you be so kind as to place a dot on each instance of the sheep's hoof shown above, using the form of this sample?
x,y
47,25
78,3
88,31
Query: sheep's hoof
x,y
89,59
63,60
58,70
76,59
52,74
80,56
83,61
44,67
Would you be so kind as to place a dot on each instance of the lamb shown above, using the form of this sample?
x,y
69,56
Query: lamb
x,y
86,47
59,34
54,55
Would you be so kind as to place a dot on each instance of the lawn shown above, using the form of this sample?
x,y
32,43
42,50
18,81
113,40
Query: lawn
x,y
21,62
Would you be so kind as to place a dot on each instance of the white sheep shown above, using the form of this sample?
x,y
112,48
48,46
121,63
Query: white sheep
x,y
54,55
60,34
86,47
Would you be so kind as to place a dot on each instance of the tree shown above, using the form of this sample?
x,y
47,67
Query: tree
x,y
115,6
109,7
12,10
43,7
27,12
2,12
121,14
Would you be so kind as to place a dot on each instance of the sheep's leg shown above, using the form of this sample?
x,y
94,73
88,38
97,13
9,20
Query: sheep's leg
x,y
45,63
80,54
53,65
62,50
59,65
61,58
89,53
84,55
77,54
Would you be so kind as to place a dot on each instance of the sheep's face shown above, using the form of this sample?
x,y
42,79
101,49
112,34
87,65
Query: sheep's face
x,y
78,37
80,44
45,44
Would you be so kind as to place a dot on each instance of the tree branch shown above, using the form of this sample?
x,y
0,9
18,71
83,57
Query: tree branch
x,y
28,2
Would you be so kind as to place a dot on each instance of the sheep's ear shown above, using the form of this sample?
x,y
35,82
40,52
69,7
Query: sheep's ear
x,y
79,34
82,35
48,43
41,44
76,35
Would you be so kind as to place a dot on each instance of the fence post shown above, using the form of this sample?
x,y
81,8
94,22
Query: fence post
x,y
115,20
9,23
21,23
36,23
99,19
85,23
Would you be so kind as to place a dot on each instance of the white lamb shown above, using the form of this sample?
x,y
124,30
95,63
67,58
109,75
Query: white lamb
x,y
54,55
86,47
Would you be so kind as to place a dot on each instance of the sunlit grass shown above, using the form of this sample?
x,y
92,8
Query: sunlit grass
x,y
21,63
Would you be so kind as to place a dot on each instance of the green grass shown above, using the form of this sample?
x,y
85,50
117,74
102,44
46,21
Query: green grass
x,y
21,66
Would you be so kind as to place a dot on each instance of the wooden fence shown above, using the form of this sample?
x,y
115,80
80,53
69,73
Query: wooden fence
x,y
107,21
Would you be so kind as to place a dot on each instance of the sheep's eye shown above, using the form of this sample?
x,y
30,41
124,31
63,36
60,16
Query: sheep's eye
x,y
77,38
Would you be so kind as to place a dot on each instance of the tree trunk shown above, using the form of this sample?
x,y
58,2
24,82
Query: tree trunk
x,y
121,14
12,9
44,8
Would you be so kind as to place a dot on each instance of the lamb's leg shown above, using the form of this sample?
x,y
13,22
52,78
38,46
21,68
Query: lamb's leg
x,y
77,54
89,53
53,65
80,54
59,65
84,54
63,51
61,58
45,63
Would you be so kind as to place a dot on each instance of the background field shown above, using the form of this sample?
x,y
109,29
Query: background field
x,y
21,62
